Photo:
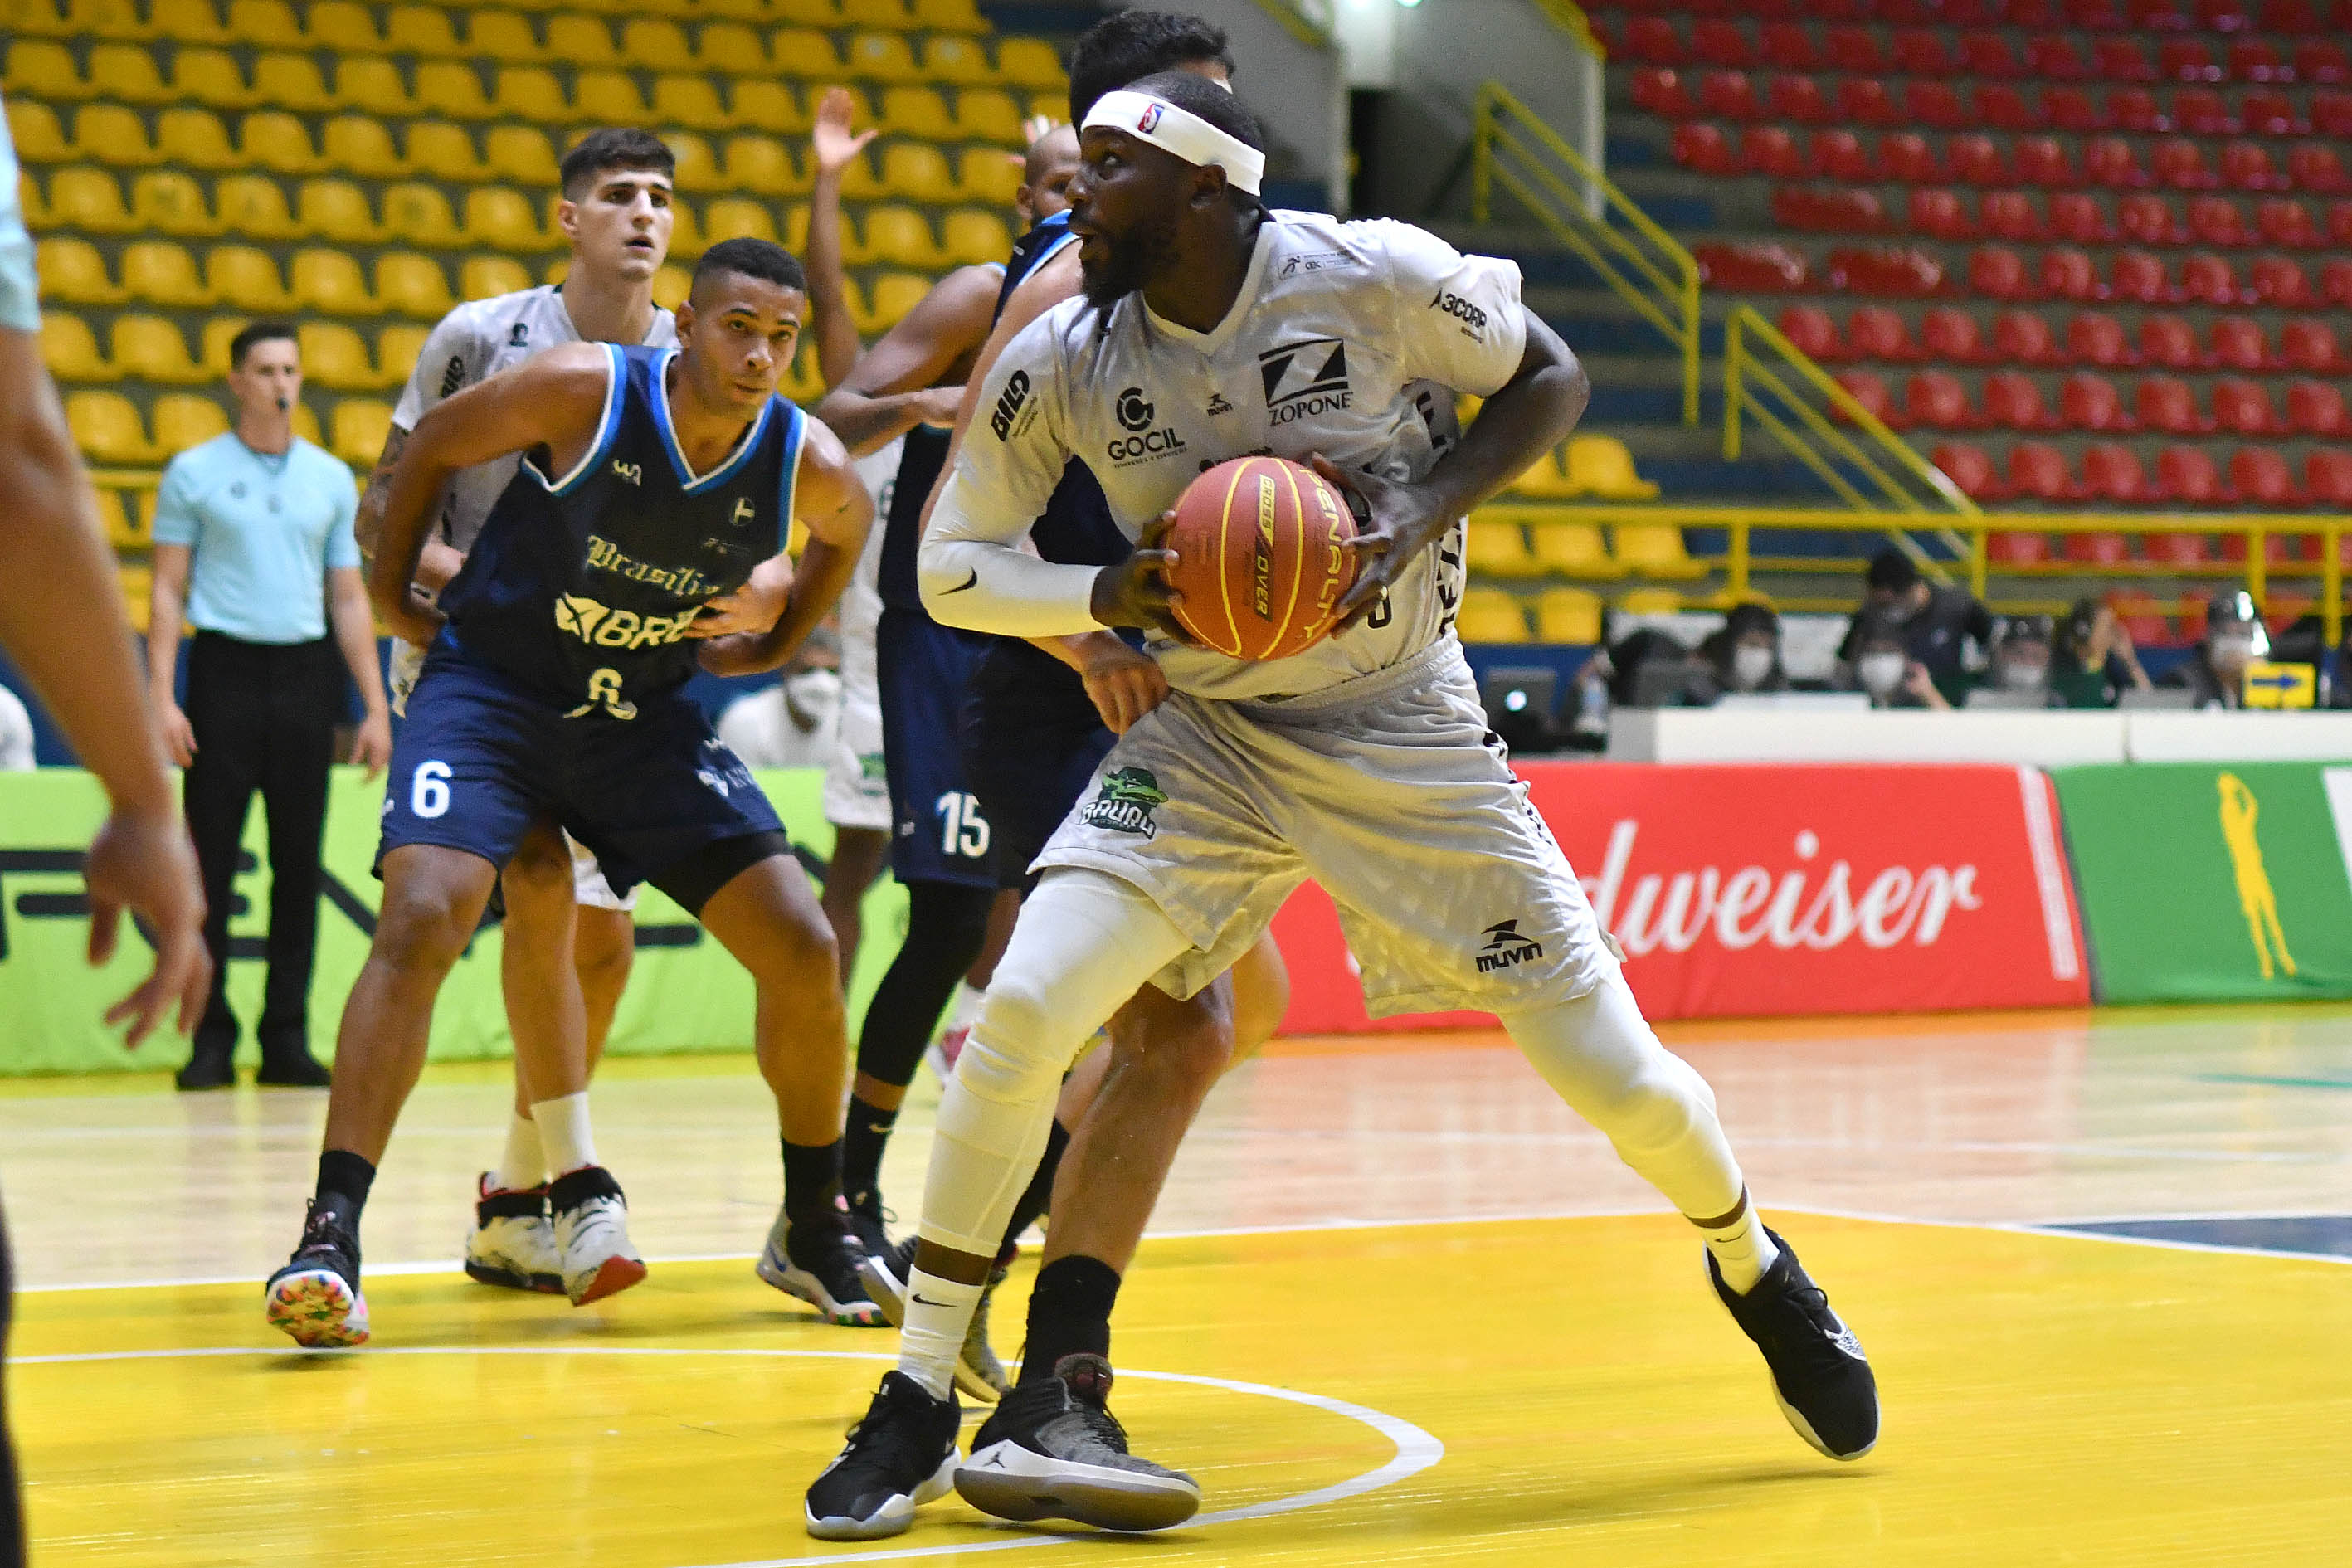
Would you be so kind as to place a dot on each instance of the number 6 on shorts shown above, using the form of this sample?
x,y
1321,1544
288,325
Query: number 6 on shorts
x,y
428,793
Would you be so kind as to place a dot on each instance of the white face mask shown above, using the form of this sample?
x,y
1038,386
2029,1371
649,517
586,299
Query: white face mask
x,y
1750,666
1880,673
2233,649
2017,675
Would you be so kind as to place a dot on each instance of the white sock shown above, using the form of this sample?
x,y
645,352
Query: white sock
x,y
524,1165
938,1311
563,1130
1742,1252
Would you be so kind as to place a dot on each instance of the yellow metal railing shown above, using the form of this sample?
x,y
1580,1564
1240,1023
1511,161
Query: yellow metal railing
x,y
1571,20
1309,21
1644,265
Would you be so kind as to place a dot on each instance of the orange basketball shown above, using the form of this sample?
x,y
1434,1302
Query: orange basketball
x,y
1261,557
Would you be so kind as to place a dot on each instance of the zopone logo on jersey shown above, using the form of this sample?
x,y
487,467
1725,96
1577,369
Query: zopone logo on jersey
x,y
1305,378
1136,413
1008,404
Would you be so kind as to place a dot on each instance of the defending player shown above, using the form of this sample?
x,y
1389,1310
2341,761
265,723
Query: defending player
x,y
1212,328
652,482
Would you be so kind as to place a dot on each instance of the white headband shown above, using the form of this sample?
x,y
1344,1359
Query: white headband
x,y
1177,131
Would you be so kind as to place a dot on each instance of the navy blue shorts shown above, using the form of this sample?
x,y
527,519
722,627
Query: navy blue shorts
x,y
481,757
1032,742
938,830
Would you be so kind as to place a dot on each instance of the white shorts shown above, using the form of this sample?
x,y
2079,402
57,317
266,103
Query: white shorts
x,y
856,790
589,888
1390,791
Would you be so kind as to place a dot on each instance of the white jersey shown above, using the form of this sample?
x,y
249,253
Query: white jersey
x,y
1335,324
474,342
861,601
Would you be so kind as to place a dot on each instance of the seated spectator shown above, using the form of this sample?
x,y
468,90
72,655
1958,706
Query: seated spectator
x,y
1743,653
2305,642
15,734
2092,661
792,724
1644,668
2020,659
1937,624
2216,671
1882,667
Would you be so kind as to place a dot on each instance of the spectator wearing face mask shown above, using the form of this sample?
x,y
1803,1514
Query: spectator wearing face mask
x,y
2021,660
1743,653
1935,623
2092,660
1882,667
2216,672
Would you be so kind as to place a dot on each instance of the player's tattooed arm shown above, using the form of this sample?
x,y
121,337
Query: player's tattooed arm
x,y
895,387
440,561
1532,412
554,402
834,503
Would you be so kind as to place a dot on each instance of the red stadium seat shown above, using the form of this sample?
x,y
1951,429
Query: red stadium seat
x,y
1853,50
1975,160
2268,114
2042,161
2169,340
1969,466
2064,108
2255,60
1917,51
1864,101
2237,345
2247,166
1717,42
2281,281
2284,221
1653,40
1832,209
2331,113
2146,219
2339,223
1841,155
2037,471
1948,334
2243,407
1659,90
2013,402
2066,274
2007,547
2201,112
1886,271
2187,474
2117,59
1869,390
2134,109
2021,337
2187,59
1810,328
2176,549
2005,108
2097,549
2009,215
1938,104
2259,475
1727,95
1704,149
1907,156
2095,338
2166,403
1787,46
1873,331
2111,472
1935,399
1988,55
2225,15
2316,408
2137,275
1939,212
2156,16
2208,279
2058,57
2322,60
2088,400
2295,15
1753,267
2076,217
2336,281
2179,164
2111,161
2312,346
2329,477
2318,167
1797,97
1998,272
1771,149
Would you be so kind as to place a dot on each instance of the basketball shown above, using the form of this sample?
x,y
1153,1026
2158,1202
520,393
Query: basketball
x,y
1261,557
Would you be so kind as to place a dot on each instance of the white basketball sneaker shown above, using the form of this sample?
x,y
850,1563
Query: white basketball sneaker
x,y
512,1244
592,1235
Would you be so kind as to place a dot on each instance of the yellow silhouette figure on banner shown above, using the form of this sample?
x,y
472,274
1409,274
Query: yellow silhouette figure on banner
x,y
2239,810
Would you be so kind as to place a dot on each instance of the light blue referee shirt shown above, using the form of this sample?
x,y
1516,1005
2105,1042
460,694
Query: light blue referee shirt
x,y
20,306
265,532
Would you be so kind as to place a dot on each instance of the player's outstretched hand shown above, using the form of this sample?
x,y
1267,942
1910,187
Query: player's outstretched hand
x,y
1137,592
753,609
372,747
1123,684
145,862
1395,523
832,141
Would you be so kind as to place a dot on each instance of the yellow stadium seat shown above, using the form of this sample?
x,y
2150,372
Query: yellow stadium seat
x,y
219,333
803,383
1600,466
161,273
796,227
1655,550
347,28
989,178
335,357
608,98
917,171
419,30
337,210
917,111
40,68
762,166
373,87
453,88
519,154
40,136
447,151
167,202
484,277
771,105
949,16
1499,548
698,167
731,49
1490,614
186,21
89,199
195,139
72,272
418,213
121,521
149,347
1052,104
685,233
246,279
396,349
955,58
745,10
860,182
807,13
501,219
691,101
883,57
110,134
896,236
975,237
71,348
532,93
211,77
361,145
886,16
1030,62
106,19
271,23
255,206
984,114
501,36
1569,616
1573,550
186,419
126,73
331,281
108,429
292,81
648,44
279,142
1544,480
800,52
670,286
895,294
579,40
733,218
1650,602
357,431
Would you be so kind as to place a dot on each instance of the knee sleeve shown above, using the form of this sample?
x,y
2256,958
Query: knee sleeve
x,y
1086,942
946,925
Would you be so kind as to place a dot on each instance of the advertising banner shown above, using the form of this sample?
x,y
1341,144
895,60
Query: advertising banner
x,y
2204,882
1747,890
686,994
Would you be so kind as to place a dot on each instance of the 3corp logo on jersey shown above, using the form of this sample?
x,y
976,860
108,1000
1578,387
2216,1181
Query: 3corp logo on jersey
x,y
1473,317
1136,414
1305,378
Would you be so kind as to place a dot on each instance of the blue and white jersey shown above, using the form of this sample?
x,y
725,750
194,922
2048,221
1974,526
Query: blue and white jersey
x,y
583,583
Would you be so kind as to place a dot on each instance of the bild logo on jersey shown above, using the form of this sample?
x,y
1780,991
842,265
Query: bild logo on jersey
x,y
1135,412
1305,378
1008,404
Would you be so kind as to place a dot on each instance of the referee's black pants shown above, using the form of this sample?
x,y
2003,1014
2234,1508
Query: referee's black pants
x,y
263,716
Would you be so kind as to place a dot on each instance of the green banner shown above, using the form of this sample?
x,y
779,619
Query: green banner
x,y
684,995
2203,882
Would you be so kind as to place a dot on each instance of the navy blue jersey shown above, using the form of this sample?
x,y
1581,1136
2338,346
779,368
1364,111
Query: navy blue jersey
x,y
920,458
581,586
1075,528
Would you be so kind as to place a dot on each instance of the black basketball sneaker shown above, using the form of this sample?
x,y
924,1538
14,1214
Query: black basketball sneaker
x,y
316,1297
1821,1379
1053,1450
817,1260
901,1457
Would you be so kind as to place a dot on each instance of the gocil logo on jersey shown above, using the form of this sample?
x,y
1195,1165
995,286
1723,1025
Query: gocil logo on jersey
x,y
1136,413
1305,378
601,625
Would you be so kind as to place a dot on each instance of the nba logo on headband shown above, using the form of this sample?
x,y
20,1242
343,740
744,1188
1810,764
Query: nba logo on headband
x,y
1151,119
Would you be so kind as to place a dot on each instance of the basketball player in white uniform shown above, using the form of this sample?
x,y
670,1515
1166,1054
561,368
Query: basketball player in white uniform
x,y
856,790
1212,327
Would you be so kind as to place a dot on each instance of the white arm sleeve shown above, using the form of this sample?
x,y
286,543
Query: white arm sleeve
x,y
1458,321
972,569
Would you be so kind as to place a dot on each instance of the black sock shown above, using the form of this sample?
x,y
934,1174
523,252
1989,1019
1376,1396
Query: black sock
x,y
1070,1314
1038,1196
343,1182
861,1151
812,1179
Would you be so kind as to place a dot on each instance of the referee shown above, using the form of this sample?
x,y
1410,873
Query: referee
x,y
253,536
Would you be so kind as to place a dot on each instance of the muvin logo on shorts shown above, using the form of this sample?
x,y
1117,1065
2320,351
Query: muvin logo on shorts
x,y
1125,805
1506,947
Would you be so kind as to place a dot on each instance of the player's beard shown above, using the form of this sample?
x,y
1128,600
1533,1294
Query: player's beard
x,y
1130,260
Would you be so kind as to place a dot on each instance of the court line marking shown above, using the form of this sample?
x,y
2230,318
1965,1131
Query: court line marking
x,y
2059,1230
1416,1448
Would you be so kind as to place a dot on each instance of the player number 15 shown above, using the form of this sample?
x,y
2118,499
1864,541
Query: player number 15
x,y
963,830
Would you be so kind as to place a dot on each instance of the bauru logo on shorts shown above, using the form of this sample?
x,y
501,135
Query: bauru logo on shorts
x,y
1126,803
1506,947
